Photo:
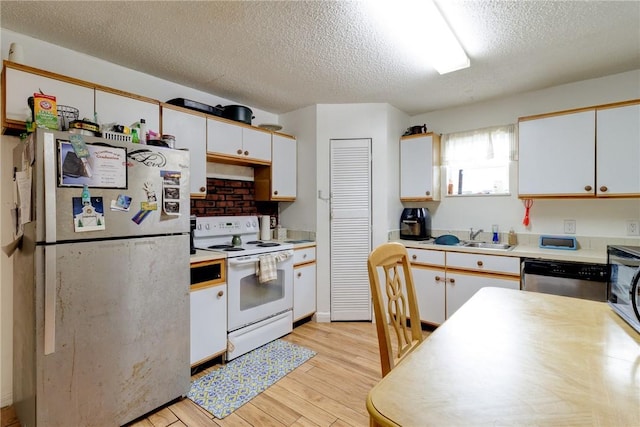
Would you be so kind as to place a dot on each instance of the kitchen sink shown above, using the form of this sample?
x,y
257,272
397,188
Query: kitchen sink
x,y
488,245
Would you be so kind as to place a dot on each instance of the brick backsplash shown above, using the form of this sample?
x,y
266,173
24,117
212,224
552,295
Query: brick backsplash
x,y
226,197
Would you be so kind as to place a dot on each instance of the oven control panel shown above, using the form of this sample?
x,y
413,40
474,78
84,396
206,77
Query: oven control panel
x,y
226,225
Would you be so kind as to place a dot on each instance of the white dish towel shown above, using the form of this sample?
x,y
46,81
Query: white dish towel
x,y
267,267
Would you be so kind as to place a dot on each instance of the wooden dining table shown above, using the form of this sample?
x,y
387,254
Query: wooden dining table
x,y
517,358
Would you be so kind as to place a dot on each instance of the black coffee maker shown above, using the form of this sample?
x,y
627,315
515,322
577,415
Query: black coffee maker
x,y
415,224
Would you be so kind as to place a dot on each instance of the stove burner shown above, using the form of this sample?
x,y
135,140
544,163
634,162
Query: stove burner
x,y
267,245
233,249
254,242
220,247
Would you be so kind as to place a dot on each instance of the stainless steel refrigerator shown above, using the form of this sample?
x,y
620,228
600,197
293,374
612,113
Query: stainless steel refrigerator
x,y
101,280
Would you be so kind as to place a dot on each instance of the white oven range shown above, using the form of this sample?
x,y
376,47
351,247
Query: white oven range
x,y
257,313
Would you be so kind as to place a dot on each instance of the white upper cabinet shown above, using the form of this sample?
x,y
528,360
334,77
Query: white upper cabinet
x,y
557,155
283,167
588,153
618,151
235,143
19,85
190,130
126,110
419,168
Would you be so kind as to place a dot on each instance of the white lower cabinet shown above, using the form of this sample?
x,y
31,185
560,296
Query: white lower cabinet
x,y
430,291
208,323
304,283
445,280
461,286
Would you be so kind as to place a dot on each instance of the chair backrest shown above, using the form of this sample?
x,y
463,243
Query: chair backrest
x,y
391,299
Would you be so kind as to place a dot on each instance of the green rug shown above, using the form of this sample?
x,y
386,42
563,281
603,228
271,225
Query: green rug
x,y
224,390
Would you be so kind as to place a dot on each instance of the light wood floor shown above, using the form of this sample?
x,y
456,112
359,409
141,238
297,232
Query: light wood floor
x,y
328,390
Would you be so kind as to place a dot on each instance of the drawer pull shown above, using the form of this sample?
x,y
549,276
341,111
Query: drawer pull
x,y
220,294
304,256
414,256
203,189
604,189
587,188
480,264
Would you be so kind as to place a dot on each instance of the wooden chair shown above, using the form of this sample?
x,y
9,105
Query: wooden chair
x,y
390,301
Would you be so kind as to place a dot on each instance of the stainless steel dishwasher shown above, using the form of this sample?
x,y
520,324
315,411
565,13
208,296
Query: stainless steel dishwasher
x,y
571,279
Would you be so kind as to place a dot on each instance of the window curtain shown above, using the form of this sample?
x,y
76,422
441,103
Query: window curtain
x,y
494,143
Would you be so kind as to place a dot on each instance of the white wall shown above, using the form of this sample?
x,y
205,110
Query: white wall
x,y
383,125
606,217
301,214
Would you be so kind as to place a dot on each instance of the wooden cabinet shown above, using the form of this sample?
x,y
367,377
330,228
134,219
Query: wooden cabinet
x,y
583,153
444,281
19,82
304,282
618,151
190,129
231,142
125,109
208,323
278,181
419,167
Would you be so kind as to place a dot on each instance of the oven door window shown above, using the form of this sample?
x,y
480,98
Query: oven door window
x,y
254,294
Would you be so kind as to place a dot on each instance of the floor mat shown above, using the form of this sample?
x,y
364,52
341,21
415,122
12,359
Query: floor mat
x,y
224,390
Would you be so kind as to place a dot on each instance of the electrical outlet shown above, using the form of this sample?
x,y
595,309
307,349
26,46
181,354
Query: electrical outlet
x,y
633,228
570,226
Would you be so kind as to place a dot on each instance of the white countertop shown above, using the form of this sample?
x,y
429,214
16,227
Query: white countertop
x,y
521,251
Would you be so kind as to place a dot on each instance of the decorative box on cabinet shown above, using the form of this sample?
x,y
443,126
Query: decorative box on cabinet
x,y
19,82
235,143
190,129
304,282
589,152
278,181
419,167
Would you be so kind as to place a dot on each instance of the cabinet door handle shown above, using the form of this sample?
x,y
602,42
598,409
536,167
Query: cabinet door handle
x,y
604,189
428,193
239,151
438,278
275,193
414,257
299,274
246,153
203,189
220,294
452,280
480,263
587,188
304,256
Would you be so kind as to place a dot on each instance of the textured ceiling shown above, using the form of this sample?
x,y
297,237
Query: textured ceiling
x,y
283,55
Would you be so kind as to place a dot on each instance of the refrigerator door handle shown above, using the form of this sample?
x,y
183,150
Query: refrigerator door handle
x,y
50,180
50,279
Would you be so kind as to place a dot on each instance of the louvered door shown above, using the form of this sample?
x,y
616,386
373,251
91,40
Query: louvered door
x,y
350,229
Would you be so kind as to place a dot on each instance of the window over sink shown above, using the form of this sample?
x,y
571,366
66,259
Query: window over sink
x,y
477,162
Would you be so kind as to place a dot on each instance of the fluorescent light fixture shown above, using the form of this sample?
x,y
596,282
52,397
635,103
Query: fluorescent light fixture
x,y
421,29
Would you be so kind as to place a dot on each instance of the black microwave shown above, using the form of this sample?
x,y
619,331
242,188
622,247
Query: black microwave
x,y
624,283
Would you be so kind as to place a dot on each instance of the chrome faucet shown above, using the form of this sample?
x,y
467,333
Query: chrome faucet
x,y
473,235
